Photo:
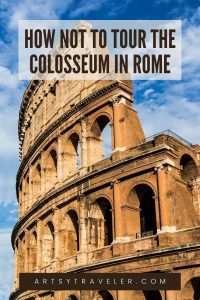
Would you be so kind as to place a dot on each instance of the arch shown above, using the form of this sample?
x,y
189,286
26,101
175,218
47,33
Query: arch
x,y
72,297
191,290
48,243
189,169
101,228
152,295
71,236
51,168
73,151
33,251
36,181
105,295
141,212
100,143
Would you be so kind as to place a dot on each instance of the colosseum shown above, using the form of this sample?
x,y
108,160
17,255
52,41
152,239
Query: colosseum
x,y
135,208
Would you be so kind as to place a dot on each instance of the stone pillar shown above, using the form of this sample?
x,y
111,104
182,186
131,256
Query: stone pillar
x,y
43,174
57,230
27,245
32,127
20,200
85,295
118,218
60,159
84,161
39,245
118,123
122,295
24,196
44,103
169,295
31,196
83,223
196,195
16,272
163,201
20,259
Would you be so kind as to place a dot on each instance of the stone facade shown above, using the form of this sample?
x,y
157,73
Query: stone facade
x,y
137,210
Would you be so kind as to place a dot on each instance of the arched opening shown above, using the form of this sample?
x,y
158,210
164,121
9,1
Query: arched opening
x,y
36,182
48,243
51,168
100,143
101,231
141,213
33,251
191,290
74,153
47,296
105,295
71,237
189,169
152,295
72,297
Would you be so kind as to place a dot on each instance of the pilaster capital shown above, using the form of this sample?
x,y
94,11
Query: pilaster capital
x,y
80,196
120,98
166,162
116,181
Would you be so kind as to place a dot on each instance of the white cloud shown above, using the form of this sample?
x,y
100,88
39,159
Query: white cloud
x,y
38,9
148,92
84,7
8,79
6,264
177,113
175,105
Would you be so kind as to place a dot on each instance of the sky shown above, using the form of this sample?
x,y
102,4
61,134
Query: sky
x,y
161,105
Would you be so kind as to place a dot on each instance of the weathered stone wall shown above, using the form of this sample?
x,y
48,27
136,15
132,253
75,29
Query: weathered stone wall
x,y
141,204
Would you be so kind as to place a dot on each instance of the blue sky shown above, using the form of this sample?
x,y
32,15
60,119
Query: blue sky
x,y
161,104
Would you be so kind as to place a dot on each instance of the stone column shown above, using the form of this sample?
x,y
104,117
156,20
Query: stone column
x,y
84,161
118,123
169,295
196,195
24,196
39,245
31,196
27,245
20,259
163,201
20,200
57,230
44,103
60,159
122,295
83,223
118,219
16,273
43,174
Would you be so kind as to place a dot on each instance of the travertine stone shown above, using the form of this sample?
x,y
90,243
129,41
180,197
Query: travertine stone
x,y
137,210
